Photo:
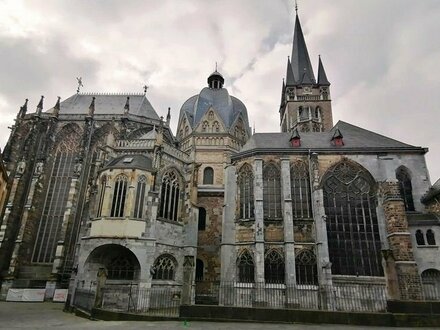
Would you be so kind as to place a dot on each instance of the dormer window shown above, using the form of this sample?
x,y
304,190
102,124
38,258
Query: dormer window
x,y
295,140
337,139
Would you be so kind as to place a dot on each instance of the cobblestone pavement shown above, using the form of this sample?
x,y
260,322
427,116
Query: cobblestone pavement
x,y
51,316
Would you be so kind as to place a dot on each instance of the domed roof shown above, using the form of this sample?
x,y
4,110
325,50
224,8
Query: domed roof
x,y
227,107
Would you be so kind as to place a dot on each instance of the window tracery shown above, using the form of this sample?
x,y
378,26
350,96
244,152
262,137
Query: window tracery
x,y
119,194
120,268
271,192
164,268
140,197
300,190
170,196
352,226
246,192
306,269
274,268
245,266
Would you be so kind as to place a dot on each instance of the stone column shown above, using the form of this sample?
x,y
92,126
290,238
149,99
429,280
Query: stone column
x,y
259,232
5,225
27,206
289,241
228,253
322,253
403,280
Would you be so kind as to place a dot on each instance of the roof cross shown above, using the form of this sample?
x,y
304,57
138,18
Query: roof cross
x,y
145,89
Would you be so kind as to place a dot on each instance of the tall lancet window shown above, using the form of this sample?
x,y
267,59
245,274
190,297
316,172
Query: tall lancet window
x,y
245,267
405,187
169,196
246,191
140,197
119,194
271,193
352,226
101,195
300,190
57,195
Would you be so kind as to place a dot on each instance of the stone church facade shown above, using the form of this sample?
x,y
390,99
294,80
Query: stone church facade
x,y
100,182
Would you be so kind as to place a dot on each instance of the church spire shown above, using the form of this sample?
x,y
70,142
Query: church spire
x,y
290,79
322,77
300,61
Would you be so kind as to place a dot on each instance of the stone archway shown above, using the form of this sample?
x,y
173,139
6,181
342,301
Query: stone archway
x,y
120,263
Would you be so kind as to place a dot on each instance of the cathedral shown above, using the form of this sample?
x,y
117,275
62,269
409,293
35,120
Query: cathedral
x,y
101,182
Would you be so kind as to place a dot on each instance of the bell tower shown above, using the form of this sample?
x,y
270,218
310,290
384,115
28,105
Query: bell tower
x,y
305,101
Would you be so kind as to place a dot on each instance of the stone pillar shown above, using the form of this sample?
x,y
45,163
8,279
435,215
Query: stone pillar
x,y
27,206
259,232
289,242
228,253
400,255
7,215
188,279
322,253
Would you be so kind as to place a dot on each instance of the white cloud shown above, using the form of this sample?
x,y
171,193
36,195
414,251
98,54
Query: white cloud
x,y
382,58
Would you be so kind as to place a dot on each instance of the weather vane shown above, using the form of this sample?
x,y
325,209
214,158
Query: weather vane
x,y
145,89
215,66
80,84
296,6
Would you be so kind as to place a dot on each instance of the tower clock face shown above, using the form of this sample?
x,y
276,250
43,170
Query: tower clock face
x,y
307,90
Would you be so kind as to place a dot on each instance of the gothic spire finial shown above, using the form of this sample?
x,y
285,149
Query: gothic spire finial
x,y
322,77
145,89
56,108
92,108
296,7
127,106
169,115
23,110
40,105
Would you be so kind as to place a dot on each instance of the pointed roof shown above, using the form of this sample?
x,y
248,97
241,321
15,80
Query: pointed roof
x,y
301,66
290,78
295,134
322,77
283,94
337,134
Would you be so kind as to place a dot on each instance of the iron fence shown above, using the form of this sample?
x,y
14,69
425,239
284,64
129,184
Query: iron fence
x,y
155,301
84,299
343,297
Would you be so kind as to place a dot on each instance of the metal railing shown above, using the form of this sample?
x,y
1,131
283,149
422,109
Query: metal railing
x,y
84,299
155,301
431,287
344,297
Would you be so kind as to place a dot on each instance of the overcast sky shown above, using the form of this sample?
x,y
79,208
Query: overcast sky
x,y
382,57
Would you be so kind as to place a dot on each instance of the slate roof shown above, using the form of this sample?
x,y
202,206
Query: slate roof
x,y
434,191
355,138
228,107
300,61
108,104
140,162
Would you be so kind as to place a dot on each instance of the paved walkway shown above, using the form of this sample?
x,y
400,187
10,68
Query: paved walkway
x,y
51,316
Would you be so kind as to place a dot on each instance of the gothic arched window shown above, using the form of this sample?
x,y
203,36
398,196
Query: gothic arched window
x,y
430,238
119,193
274,267
271,192
420,239
352,226
164,268
62,169
300,190
208,175
140,197
317,114
202,219
169,196
199,270
246,192
101,195
305,267
120,268
405,187
245,266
